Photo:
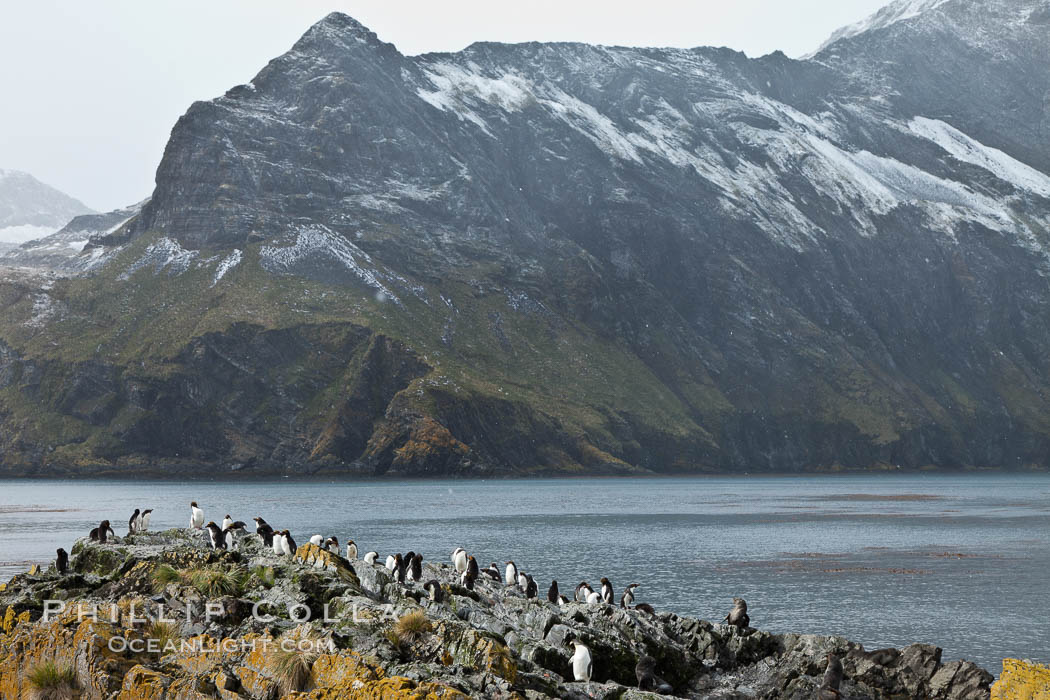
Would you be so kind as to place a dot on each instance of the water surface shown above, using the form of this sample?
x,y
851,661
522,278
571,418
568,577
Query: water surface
x,y
886,560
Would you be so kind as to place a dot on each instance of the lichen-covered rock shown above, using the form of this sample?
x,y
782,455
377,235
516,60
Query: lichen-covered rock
x,y
370,637
140,683
1022,679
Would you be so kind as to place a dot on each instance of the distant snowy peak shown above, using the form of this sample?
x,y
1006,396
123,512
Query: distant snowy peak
x,y
898,11
67,250
30,209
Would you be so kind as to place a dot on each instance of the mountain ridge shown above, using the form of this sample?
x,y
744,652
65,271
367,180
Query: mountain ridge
x,y
30,209
559,259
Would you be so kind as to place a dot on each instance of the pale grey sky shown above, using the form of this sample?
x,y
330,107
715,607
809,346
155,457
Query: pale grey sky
x,y
90,90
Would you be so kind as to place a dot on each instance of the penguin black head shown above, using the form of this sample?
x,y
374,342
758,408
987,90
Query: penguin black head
x,y
605,580
193,504
148,510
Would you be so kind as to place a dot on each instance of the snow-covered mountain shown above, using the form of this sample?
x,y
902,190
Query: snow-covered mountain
x,y
76,248
30,209
563,257
896,11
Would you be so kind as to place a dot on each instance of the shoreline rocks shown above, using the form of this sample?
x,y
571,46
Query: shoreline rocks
x,y
318,626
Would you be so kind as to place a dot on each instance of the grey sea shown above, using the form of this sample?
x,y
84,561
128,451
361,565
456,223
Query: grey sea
x,y
886,560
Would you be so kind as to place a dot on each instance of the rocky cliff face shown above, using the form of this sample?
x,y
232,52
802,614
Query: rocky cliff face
x,y
385,639
586,258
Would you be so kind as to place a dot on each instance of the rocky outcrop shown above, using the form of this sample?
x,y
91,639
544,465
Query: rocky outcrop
x,y
369,636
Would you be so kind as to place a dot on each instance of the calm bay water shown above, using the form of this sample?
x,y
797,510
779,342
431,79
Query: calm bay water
x,y
959,561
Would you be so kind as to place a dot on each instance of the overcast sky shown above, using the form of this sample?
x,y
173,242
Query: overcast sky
x,y
90,90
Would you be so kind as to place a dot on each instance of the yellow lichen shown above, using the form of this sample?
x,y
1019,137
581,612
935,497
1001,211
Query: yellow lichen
x,y
1022,681
141,683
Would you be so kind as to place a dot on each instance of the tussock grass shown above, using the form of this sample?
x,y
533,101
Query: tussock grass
x,y
52,681
409,628
292,662
164,632
209,581
163,575
218,582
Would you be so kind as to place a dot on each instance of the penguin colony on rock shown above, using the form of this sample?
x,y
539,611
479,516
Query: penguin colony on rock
x,y
408,568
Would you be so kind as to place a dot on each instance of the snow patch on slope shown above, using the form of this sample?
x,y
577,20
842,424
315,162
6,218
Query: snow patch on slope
x,y
860,185
968,150
228,263
318,241
45,309
899,11
458,86
597,127
165,253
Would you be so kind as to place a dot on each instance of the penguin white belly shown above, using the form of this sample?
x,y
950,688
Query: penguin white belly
x,y
277,549
229,539
316,540
511,576
145,522
351,551
461,561
582,665
593,598
226,522
391,562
